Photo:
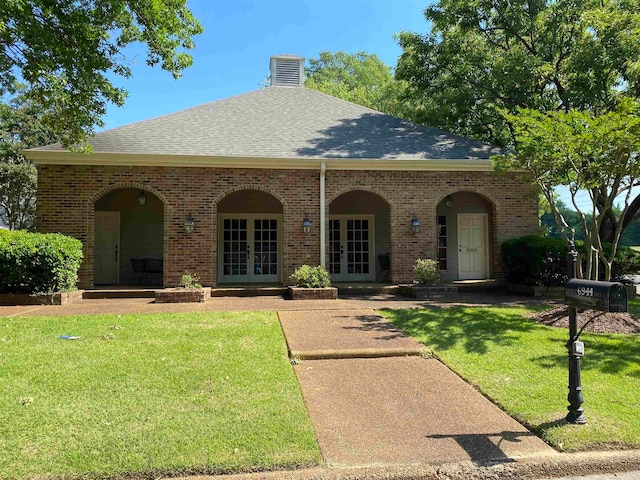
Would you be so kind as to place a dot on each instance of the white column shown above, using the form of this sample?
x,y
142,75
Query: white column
x,y
323,243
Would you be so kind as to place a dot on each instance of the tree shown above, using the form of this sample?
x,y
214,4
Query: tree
x,y
65,51
483,57
584,151
18,194
360,78
20,128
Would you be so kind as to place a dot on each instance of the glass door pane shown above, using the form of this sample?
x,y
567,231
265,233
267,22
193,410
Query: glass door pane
x,y
234,249
335,267
358,247
265,248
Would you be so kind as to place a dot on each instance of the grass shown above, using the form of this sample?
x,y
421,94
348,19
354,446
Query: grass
x,y
149,395
522,366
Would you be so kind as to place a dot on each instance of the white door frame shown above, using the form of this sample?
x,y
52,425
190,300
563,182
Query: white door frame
x,y
485,246
344,276
99,215
250,277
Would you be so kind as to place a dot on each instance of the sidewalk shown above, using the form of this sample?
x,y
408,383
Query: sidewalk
x,y
384,409
147,305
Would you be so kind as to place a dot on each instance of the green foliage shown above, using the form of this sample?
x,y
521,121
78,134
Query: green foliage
x,y
534,260
38,263
360,78
190,280
311,277
20,128
585,152
18,194
67,52
483,57
426,271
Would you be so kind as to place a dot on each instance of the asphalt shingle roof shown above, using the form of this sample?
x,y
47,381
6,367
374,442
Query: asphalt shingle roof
x,y
285,122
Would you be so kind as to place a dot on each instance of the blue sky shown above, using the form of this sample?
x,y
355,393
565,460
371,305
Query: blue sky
x,y
232,56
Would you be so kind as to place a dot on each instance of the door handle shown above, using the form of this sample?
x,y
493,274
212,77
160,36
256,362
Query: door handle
x,y
116,252
341,251
248,252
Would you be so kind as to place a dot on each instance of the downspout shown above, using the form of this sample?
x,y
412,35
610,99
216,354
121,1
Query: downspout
x,y
323,243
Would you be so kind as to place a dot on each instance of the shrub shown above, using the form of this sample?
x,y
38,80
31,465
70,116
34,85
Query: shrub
x,y
190,280
426,271
311,277
38,263
534,260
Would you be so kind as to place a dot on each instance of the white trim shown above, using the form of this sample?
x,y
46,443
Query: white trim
x,y
323,216
48,157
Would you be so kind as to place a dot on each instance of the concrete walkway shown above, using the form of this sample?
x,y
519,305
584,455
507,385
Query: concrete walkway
x,y
382,409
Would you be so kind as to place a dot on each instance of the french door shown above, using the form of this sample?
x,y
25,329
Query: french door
x,y
351,248
249,248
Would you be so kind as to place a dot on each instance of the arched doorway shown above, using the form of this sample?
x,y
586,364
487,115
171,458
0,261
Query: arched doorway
x,y
464,236
128,238
249,238
359,238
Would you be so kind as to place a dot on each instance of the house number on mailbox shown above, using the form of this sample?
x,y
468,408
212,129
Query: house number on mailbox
x,y
585,291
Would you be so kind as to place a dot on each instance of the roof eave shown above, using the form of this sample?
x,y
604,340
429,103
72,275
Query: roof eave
x,y
47,157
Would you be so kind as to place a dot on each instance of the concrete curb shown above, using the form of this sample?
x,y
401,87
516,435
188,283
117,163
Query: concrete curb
x,y
576,464
358,353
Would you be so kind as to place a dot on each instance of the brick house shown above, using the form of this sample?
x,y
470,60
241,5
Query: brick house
x,y
244,190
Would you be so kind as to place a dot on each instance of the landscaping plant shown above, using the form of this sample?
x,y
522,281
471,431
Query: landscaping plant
x,y
426,272
38,263
190,280
311,277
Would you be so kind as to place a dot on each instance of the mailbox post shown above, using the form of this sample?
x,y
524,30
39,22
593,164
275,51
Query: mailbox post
x,y
603,296
575,398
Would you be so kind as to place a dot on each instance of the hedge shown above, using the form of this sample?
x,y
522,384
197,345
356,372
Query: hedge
x,y
535,260
38,263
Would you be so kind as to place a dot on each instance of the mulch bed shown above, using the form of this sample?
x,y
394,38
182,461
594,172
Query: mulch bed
x,y
601,322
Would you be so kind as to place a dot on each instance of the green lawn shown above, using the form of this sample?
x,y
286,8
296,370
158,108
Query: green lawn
x,y
522,366
149,395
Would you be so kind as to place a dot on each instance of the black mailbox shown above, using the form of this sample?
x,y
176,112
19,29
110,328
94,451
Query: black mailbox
x,y
603,296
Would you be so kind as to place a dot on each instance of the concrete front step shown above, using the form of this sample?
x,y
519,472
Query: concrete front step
x,y
120,293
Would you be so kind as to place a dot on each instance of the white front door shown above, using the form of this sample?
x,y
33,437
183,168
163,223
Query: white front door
x,y
472,246
106,266
351,248
249,248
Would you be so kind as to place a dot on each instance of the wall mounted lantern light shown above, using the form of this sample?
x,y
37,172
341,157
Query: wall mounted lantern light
x,y
415,224
189,224
448,201
142,198
306,224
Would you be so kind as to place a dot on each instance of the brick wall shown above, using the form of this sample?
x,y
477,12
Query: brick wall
x,y
67,195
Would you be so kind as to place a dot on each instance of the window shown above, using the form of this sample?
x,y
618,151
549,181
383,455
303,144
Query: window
x,y
442,242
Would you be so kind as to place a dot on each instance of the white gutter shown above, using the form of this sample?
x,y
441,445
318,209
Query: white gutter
x,y
48,157
323,243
